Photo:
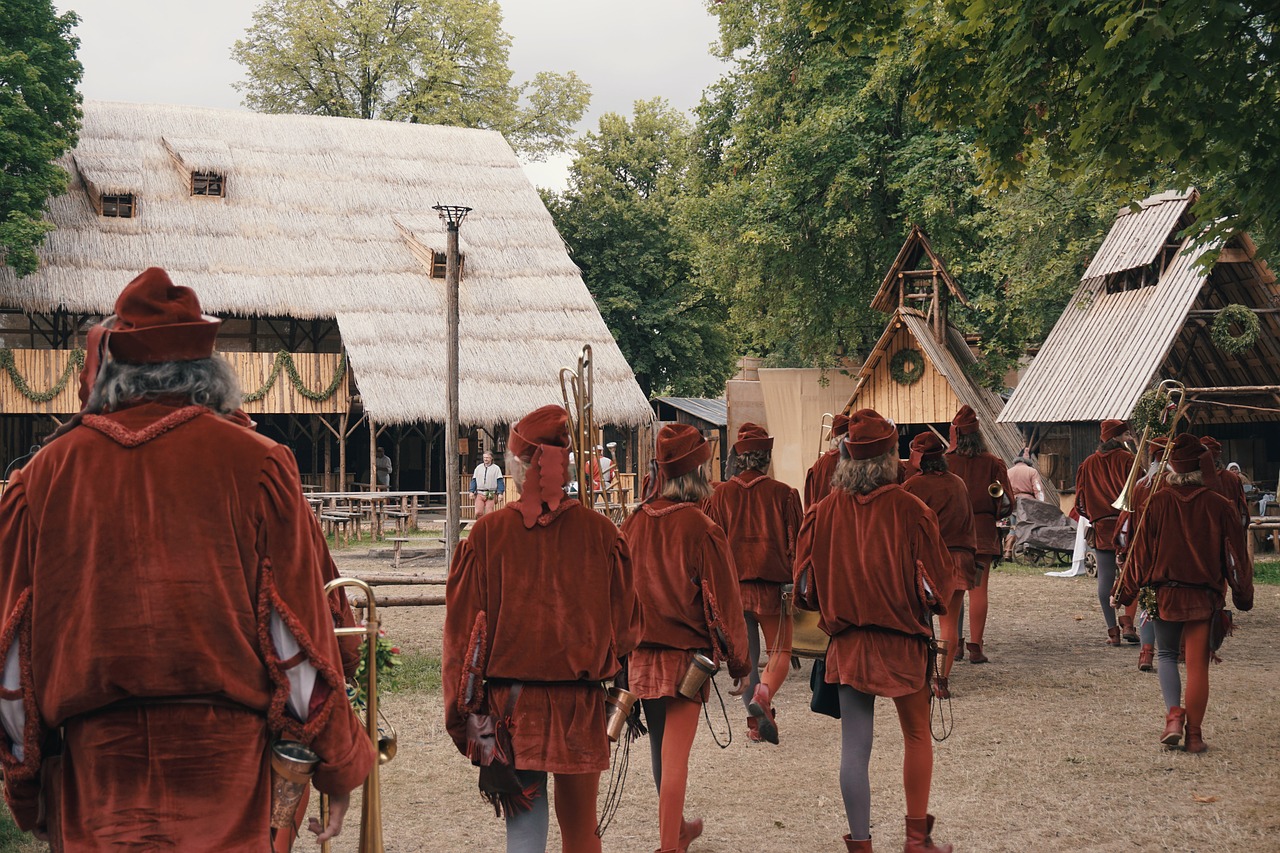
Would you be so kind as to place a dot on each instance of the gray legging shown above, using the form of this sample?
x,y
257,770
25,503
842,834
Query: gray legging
x,y
1168,643
1106,580
857,726
1146,628
655,717
527,831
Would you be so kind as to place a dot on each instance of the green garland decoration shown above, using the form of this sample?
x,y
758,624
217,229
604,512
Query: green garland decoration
x,y
74,364
1250,329
907,366
1147,412
284,362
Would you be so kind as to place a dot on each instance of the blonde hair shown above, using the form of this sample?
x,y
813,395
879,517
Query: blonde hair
x,y
863,476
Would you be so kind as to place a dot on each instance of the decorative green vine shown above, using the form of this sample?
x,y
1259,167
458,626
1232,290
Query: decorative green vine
x,y
907,366
74,363
1148,411
284,361
1250,329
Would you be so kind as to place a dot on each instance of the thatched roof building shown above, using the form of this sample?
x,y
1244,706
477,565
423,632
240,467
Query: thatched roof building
x,y
329,219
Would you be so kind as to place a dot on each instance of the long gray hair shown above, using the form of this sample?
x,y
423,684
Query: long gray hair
x,y
206,382
863,476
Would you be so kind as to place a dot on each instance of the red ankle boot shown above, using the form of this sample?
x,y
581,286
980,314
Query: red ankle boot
x,y
1173,722
920,837
1113,636
1146,658
975,653
1195,743
1127,630
762,712
854,846
960,649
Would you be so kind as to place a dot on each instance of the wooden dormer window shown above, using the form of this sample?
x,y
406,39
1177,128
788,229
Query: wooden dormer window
x,y
120,205
209,184
440,264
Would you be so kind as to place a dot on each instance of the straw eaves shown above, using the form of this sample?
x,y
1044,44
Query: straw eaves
x,y
331,218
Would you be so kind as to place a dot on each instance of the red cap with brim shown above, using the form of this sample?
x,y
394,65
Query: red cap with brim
x,y
157,321
924,446
752,438
839,426
1112,429
681,448
1188,455
1211,444
870,435
541,439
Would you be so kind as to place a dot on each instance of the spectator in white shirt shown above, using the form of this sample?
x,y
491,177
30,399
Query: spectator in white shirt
x,y
487,484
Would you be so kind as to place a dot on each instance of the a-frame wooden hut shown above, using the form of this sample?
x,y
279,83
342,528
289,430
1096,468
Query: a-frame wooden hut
x,y
917,372
1142,314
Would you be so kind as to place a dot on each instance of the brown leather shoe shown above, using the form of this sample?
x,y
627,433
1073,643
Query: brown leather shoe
x,y
920,837
1195,743
1173,722
1128,632
1113,636
855,846
1146,658
960,649
975,653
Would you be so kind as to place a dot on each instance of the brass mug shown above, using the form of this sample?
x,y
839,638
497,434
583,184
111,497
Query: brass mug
x,y
292,766
788,599
700,669
619,703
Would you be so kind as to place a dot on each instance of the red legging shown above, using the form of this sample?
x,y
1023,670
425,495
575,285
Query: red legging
x,y
575,799
673,722
917,756
950,624
775,671
978,600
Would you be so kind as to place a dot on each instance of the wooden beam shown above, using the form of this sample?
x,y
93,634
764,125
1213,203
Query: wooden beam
x,y
1237,389
1209,313
1234,256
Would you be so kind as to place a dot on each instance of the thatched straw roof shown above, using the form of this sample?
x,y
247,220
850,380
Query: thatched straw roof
x,y
331,218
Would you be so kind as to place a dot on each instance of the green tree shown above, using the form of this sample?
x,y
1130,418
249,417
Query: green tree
x,y
620,219
434,62
39,120
1180,92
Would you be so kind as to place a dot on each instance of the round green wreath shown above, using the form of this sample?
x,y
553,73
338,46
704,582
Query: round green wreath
x,y
1250,329
907,366
1147,412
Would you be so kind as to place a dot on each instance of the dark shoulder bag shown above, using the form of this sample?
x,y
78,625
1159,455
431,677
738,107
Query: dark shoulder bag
x,y
826,697
489,747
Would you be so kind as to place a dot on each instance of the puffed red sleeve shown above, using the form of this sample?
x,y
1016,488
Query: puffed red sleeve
x,y
793,512
933,564
292,604
464,638
628,621
723,600
806,591
1235,560
1138,560
23,732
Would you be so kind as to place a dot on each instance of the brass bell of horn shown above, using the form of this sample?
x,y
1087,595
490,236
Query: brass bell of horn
x,y
996,490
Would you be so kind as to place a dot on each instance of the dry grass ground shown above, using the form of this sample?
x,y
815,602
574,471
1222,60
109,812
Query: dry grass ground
x,y
1054,749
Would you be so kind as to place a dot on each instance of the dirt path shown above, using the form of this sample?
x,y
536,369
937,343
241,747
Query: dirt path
x,y
1055,749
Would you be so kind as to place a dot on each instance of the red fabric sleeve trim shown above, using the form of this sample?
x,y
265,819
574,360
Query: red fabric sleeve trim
x,y
715,624
476,651
18,625
278,719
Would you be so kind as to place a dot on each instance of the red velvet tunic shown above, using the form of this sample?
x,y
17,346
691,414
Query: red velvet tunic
x,y
145,552
948,497
1189,544
1099,481
864,562
978,473
761,517
1231,487
560,606
817,482
686,583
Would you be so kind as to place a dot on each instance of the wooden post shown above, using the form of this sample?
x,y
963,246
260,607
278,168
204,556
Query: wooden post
x,y
452,474
328,464
373,456
342,451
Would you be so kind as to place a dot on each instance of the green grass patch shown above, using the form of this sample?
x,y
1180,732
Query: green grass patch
x,y
416,672
14,840
1268,573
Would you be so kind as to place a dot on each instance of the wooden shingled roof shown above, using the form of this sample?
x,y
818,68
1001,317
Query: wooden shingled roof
x,y
945,386
1141,314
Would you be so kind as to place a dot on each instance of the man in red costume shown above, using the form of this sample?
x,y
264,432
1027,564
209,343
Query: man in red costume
x,y
164,611
1099,481
948,497
1189,548
541,606
871,560
761,517
969,459
817,482
1127,523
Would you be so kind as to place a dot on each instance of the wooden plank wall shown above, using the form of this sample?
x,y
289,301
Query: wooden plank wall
x,y
929,401
42,368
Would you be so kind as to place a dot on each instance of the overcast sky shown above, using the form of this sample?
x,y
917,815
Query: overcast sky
x,y
179,52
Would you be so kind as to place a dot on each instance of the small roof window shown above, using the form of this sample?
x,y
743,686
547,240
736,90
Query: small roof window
x,y
119,205
440,264
209,184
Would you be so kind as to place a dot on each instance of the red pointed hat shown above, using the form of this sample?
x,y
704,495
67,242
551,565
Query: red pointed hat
x,y
752,437
839,426
681,448
1114,429
965,421
1211,444
926,445
870,435
541,439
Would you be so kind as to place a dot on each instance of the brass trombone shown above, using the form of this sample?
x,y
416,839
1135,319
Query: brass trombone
x,y
825,426
1170,388
371,800
577,389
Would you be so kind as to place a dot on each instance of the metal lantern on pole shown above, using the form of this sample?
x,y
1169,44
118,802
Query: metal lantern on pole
x,y
452,216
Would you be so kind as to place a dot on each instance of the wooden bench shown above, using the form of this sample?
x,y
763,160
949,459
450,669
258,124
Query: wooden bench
x,y
397,542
